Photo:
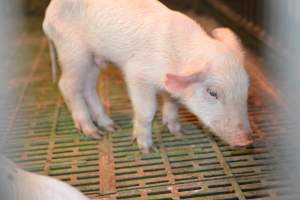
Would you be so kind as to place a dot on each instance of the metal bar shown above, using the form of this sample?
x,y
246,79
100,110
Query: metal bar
x,y
52,138
23,92
106,160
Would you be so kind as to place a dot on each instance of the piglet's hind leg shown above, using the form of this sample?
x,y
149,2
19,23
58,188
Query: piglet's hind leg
x,y
98,114
75,67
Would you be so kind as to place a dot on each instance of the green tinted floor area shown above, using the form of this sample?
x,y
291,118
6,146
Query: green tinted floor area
x,y
198,166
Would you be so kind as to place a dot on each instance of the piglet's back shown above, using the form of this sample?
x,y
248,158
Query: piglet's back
x,y
117,29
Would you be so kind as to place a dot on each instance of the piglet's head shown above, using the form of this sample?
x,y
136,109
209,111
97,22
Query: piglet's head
x,y
216,90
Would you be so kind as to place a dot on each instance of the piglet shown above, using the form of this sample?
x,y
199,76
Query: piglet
x,y
159,51
18,184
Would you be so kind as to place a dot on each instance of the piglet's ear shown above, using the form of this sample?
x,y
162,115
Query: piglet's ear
x,y
195,72
176,83
228,37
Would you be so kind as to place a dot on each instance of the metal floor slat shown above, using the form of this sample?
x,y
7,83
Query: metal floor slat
x,y
198,166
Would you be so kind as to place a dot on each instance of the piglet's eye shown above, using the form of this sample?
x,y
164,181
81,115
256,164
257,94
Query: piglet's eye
x,y
212,93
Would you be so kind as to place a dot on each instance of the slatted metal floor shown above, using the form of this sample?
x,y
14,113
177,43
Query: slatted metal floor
x,y
199,166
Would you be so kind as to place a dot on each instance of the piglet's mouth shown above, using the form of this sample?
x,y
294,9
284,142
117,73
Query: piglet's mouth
x,y
241,141
242,145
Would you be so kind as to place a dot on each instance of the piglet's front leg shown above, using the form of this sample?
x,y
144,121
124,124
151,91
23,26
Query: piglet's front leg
x,y
170,116
143,98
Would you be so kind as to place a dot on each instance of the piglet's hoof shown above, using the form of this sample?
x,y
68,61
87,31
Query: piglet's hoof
x,y
179,134
117,127
149,150
145,148
94,134
112,128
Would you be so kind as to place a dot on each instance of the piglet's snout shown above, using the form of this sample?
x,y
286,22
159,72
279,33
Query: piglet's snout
x,y
242,139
